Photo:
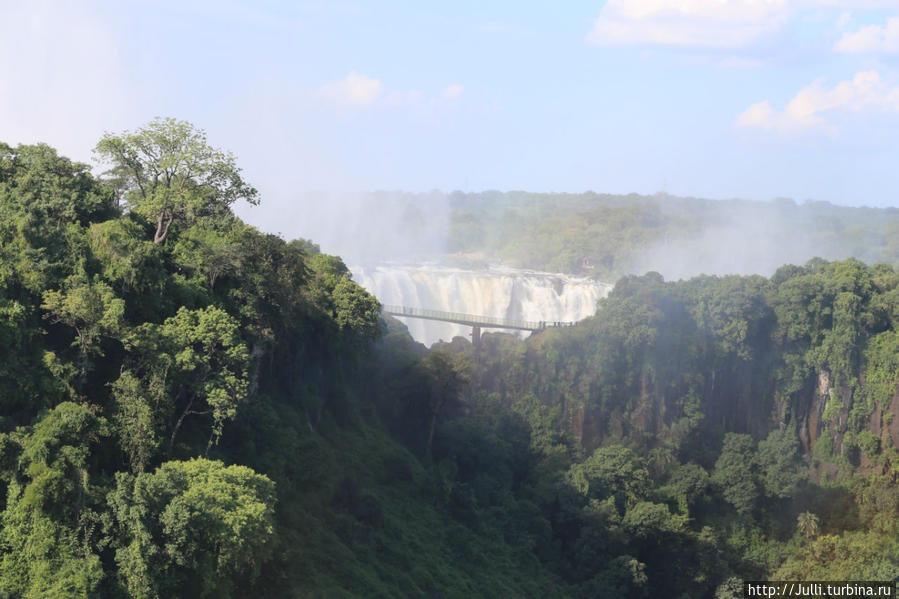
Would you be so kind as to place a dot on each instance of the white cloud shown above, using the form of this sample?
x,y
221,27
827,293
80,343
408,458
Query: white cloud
x,y
358,90
844,20
810,108
695,23
882,39
453,92
727,24
354,90
757,115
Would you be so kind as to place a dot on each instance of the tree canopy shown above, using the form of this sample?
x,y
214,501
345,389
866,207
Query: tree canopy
x,y
168,173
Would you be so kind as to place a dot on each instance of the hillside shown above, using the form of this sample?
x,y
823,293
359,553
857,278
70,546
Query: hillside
x,y
194,408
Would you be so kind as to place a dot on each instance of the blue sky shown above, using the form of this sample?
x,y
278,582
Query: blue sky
x,y
712,98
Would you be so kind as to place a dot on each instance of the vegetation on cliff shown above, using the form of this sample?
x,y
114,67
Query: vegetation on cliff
x,y
193,408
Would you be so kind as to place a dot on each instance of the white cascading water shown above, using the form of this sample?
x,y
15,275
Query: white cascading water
x,y
497,292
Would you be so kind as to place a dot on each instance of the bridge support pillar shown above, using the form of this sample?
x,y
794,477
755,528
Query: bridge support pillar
x,y
476,336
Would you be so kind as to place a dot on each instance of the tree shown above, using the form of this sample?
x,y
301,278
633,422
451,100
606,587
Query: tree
x,y
197,359
41,193
46,549
735,472
167,172
356,309
687,484
614,471
807,524
624,576
646,519
447,374
91,308
137,408
194,528
779,465
213,361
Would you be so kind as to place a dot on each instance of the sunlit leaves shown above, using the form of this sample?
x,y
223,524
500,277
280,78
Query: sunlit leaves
x,y
136,417
197,360
91,308
44,540
167,172
191,527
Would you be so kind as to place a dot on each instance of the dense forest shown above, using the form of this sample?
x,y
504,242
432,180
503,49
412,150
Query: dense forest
x,y
194,408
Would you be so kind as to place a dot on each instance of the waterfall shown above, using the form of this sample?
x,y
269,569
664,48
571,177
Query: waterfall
x,y
498,292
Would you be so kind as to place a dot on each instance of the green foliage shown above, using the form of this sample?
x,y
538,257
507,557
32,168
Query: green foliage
x,y
91,308
197,359
647,519
447,373
623,577
882,358
129,262
41,194
47,524
807,524
167,172
735,472
136,418
688,484
195,528
607,235
612,471
354,310
852,555
869,443
780,469
823,447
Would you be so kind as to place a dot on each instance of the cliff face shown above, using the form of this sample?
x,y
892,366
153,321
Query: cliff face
x,y
814,350
809,410
665,399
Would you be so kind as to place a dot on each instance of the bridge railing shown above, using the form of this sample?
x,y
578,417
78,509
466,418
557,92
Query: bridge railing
x,y
469,319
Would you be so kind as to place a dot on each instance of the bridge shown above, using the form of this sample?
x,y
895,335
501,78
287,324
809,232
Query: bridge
x,y
474,321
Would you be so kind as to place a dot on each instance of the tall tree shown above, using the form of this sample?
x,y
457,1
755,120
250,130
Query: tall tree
x,y
167,172
807,523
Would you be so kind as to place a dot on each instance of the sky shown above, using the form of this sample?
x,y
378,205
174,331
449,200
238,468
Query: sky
x,y
754,99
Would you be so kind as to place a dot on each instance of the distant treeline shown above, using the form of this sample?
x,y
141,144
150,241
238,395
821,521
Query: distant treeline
x,y
613,235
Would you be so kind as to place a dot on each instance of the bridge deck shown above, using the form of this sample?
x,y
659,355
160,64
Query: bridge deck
x,y
471,320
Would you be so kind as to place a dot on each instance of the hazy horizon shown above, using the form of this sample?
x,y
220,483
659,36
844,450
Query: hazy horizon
x,y
791,98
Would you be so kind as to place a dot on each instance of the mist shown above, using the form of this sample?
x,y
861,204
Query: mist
x,y
744,238
367,228
570,233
